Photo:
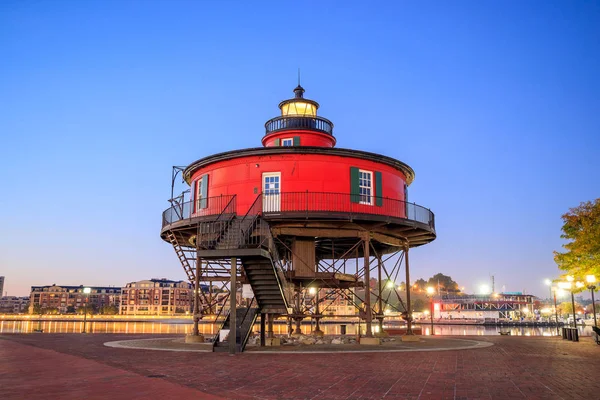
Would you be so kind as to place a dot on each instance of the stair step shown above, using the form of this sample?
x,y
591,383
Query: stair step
x,y
264,291
263,282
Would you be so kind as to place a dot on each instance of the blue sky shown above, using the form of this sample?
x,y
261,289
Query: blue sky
x,y
494,104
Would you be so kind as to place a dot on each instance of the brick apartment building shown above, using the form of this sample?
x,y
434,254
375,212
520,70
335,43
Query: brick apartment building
x,y
62,297
156,297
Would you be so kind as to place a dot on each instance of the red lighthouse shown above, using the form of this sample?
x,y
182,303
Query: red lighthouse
x,y
295,215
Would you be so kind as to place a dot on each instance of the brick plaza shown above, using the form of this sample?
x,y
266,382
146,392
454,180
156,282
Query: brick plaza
x,y
67,366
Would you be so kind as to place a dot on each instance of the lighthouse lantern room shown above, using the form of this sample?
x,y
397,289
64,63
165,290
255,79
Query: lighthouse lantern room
x,y
300,225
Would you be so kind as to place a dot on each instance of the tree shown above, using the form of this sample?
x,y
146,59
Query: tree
x,y
419,305
443,283
567,308
37,309
420,284
109,310
70,310
582,229
589,309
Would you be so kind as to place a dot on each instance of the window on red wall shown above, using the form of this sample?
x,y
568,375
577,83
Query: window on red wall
x,y
201,193
365,187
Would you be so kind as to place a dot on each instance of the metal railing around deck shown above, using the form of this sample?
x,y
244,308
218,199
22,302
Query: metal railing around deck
x,y
201,208
290,123
306,203
353,205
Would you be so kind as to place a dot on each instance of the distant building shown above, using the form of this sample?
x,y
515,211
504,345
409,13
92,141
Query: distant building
x,y
1,286
156,297
60,298
13,304
337,302
509,306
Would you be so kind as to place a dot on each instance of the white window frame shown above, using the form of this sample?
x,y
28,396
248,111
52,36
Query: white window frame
x,y
198,193
369,188
287,140
271,201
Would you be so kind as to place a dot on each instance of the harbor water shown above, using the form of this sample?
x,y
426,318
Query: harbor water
x,y
182,327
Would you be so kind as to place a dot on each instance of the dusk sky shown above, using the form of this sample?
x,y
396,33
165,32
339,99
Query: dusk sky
x,y
495,105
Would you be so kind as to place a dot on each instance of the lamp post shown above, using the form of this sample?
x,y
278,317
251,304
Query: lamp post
x,y
571,285
430,292
555,309
86,292
549,283
570,279
591,280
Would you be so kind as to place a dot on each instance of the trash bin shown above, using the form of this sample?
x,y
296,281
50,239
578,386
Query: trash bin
x,y
574,334
342,329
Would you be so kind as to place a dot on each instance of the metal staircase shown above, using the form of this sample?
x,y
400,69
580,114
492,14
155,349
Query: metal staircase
x,y
245,318
249,239
266,285
183,258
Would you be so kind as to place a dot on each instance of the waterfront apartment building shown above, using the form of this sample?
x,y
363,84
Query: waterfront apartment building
x,y
13,305
1,286
59,299
156,297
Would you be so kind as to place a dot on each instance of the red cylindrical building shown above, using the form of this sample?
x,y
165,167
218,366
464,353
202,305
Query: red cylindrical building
x,y
288,215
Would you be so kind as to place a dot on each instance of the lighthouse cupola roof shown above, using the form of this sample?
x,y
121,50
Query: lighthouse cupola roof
x,y
299,105
299,119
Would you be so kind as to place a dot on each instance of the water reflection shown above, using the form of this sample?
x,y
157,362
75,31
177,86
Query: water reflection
x,y
209,328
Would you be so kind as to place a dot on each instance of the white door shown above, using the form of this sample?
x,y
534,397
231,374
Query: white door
x,y
271,191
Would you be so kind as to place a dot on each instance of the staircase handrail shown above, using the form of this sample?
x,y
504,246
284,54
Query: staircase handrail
x,y
244,340
216,226
216,338
279,273
267,241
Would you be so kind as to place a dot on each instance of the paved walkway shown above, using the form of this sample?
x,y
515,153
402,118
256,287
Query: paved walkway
x,y
425,343
41,366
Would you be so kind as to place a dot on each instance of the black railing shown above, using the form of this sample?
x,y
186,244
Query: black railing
x,y
209,206
290,123
296,203
352,206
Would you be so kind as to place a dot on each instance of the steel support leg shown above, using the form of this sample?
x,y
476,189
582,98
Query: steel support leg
x,y
409,330
233,307
367,267
262,329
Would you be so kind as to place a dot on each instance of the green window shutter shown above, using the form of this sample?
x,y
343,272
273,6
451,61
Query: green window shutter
x,y
277,142
204,192
354,185
193,196
378,190
296,140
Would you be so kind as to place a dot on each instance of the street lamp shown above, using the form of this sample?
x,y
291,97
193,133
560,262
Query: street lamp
x,y
591,280
569,285
430,292
86,292
553,293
